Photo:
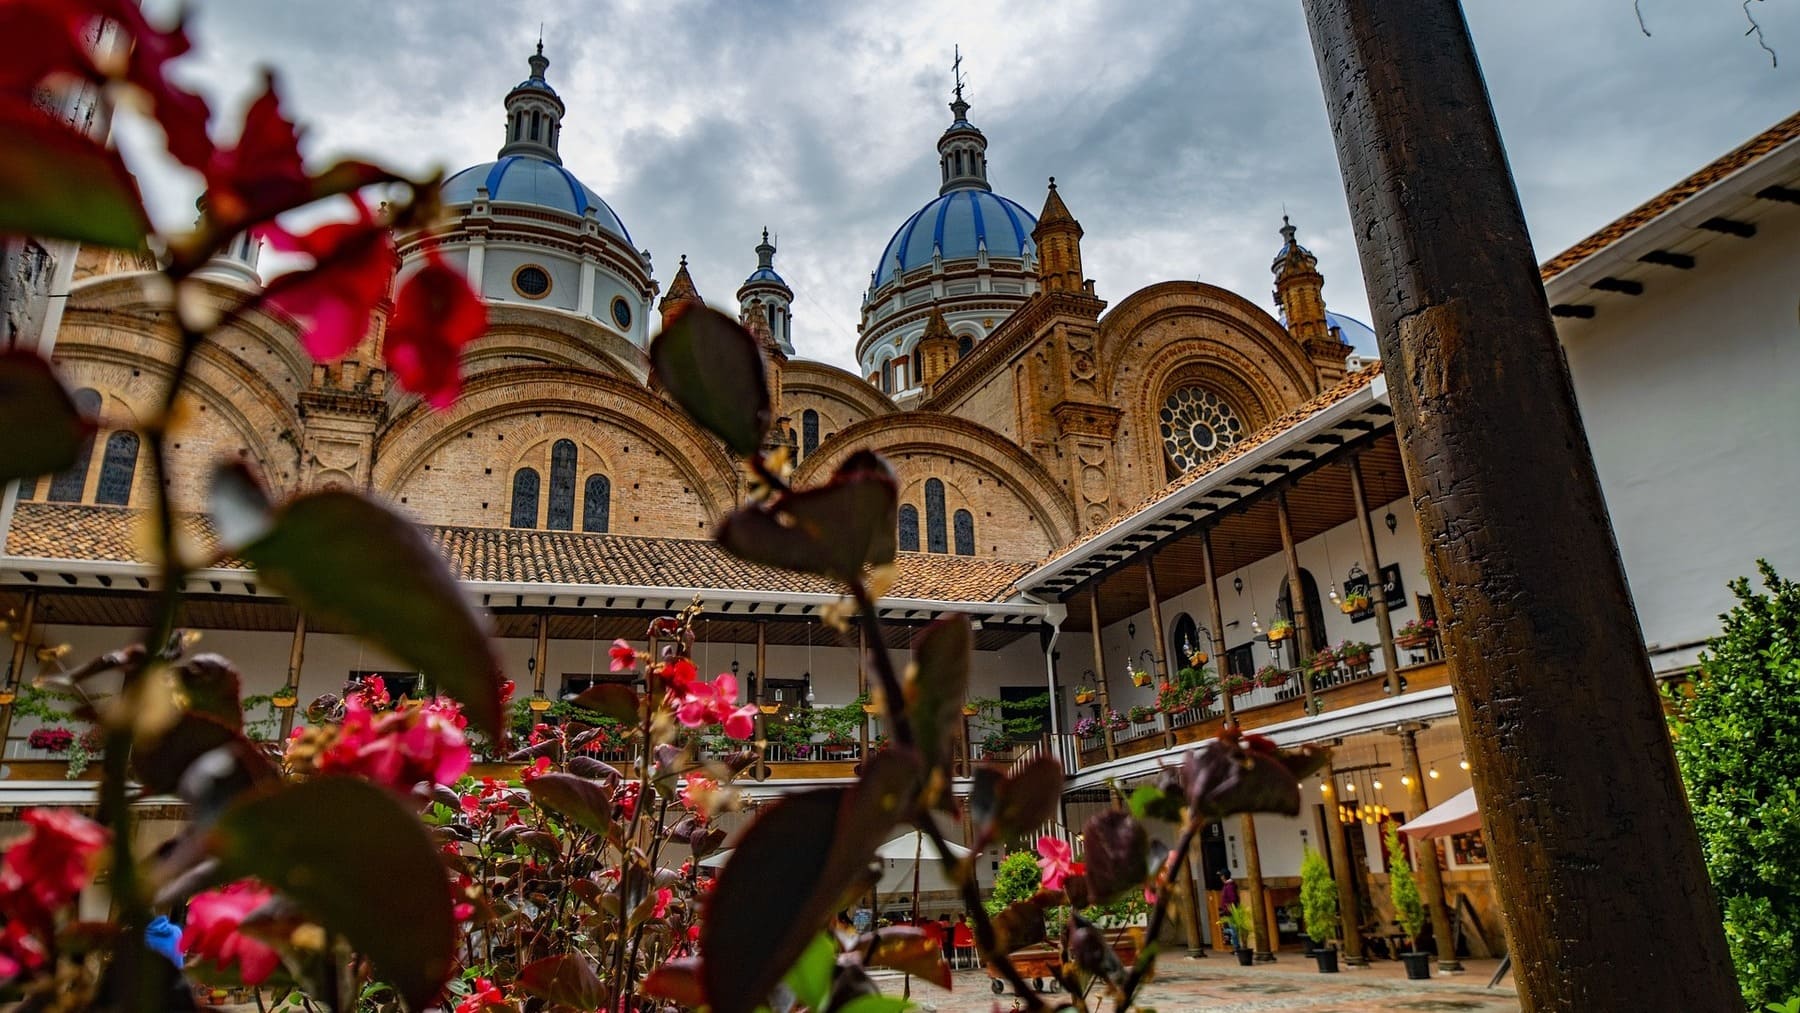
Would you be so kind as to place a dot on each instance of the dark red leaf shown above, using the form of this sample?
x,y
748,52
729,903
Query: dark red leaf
x,y
587,803
56,183
1247,774
910,950
937,684
567,980
836,530
677,981
47,431
1116,851
1007,807
715,371
212,687
610,699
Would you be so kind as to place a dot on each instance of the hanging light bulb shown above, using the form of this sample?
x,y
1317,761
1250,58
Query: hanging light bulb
x,y
1432,773
1406,780
1350,787
1325,787
1255,623
1464,765
1333,592
1378,784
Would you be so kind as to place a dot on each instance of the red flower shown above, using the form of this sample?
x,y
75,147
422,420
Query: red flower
x,y
1056,862
214,920
507,688
539,767
705,703
435,314
422,742
624,656
258,178
663,896
485,995
679,674
353,268
45,870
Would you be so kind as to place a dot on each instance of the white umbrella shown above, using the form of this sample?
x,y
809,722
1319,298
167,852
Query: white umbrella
x,y
905,847
1457,816
717,859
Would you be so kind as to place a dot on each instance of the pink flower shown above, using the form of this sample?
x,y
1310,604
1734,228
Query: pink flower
x,y
422,742
1056,861
663,896
624,656
213,931
435,314
353,269
703,703
741,723
45,870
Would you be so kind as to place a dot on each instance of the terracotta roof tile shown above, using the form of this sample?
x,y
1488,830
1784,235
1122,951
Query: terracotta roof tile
x,y
101,533
1756,147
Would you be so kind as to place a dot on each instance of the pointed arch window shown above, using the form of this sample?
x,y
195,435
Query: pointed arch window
x,y
524,498
117,468
68,486
560,516
887,376
935,535
963,527
809,432
596,504
964,344
909,528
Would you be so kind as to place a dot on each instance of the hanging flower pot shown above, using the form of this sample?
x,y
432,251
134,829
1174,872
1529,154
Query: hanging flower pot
x,y
970,710
1354,602
870,708
284,699
1084,696
1280,630
1271,677
1140,679
771,708
1199,658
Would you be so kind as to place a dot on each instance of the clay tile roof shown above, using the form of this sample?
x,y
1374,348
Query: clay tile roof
x,y
100,533
1299,413
1751,150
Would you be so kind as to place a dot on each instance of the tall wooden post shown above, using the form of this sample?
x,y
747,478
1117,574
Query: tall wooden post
x,y
1431,876
1193,876
296,654
1218,623
862,687
1112,751
1260,916
762,689
1296,596
1384,623
1189,902
1570,748
540,657
15,669
1162,651
1337,847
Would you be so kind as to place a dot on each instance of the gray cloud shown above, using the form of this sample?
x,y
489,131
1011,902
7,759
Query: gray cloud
x,y
1177,131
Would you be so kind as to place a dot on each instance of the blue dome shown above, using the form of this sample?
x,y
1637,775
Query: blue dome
x,y
1356,334
955,225
765,274
522,179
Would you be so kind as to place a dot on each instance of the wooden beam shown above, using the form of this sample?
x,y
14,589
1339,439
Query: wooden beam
x,y
1337,850
1218,623
1265,951
15,669
1729,227
296,655
1785,194
1622,285
1667,258
1579,311
1112,750
1296,597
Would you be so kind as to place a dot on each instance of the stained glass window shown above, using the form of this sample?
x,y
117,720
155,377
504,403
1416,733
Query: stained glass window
x,y
935,540
561,514
964,529
809,432
524,498
596,504
67,486
909,528
1197,424
117,467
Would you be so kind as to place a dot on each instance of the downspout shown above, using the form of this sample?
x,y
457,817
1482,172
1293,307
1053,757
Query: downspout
x,y
1054,615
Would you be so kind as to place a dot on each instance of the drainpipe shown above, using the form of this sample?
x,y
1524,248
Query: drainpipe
x,y
1054,615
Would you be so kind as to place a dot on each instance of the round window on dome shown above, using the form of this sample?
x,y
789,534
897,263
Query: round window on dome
x,y
531,281
621,313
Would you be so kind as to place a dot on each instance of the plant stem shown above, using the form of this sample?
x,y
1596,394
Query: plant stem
x,y
893,699
1164,894
985,939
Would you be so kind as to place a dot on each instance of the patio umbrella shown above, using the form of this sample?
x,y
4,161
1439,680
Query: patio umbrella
x,y
1457,816
717,859
903,848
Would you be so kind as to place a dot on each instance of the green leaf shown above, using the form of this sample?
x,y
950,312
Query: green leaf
x,y
357,859
810,977
793,866
836,530
609,699
356,565
875,1004
936,685
586,802
60,184
1007,806
567,980
714,370
35,408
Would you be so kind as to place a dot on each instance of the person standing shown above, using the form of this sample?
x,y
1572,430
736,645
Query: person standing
x,y
1228,896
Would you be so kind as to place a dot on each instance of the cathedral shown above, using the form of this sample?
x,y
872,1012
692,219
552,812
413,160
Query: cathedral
x,y
1117,493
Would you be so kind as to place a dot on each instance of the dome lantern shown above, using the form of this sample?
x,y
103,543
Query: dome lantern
x,y
534,114
962,150
768,295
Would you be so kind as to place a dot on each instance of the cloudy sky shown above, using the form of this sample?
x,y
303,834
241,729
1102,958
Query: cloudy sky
x,y
1177,131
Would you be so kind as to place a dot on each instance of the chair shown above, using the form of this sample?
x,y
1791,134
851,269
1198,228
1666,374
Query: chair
x,y
962,939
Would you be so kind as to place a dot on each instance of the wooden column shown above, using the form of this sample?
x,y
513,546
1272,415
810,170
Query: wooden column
x,y
15,668
862,686
1296,596
1337,846
1260,915
540,658
762,689
1112,751
1218,623
1431,877
1570,748
1162,642
296,654
1384,623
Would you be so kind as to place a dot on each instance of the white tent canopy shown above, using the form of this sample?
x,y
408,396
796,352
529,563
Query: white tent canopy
x,y
717,859
905,847
1457,816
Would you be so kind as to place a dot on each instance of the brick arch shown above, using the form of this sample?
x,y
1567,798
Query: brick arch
x,y
933,436
528,335
622,407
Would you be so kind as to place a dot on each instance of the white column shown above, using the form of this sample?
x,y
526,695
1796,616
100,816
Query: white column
x,y
585,301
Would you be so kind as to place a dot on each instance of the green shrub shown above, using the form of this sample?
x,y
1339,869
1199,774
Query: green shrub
x,y
1016,880
1403,889
1318,897
1738,740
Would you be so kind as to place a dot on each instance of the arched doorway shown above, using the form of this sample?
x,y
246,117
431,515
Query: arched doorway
x,y
1315,618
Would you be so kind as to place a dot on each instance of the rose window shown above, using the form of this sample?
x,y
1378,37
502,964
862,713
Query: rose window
x,y
1197,424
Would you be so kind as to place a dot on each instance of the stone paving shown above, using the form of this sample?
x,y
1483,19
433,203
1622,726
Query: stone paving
x,y
1218,985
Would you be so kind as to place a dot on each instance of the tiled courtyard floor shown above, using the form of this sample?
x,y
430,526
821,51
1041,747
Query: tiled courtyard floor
x,y
1218,985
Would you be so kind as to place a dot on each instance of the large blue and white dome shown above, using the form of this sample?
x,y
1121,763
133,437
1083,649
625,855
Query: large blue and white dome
x,y
958,225
528,179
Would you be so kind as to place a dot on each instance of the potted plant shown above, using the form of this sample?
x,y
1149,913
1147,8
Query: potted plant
x,y
971,709
1140,713
1116,721
1354,653
1280,630
1084,695
1198,658
1416,633
51,740
1322,662
1354,602
1173,699
1088,728
1319,902
1243,929
1139,677
1238,685
1409,909
1271,677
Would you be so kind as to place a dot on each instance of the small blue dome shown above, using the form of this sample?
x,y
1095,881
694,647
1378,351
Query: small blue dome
x,y
765,274
954,226
522,179
1356,334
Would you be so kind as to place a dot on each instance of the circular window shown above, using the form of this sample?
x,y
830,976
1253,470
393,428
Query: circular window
x,y
621,311
531,281
1197,424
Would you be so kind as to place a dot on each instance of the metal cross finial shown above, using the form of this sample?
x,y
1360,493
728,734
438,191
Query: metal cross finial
x,y
956,71
540,38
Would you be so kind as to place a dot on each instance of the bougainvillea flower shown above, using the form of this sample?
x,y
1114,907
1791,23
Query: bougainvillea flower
x,y
399,748
45,870
213,931
436,313
624,656
353,269
1056,862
